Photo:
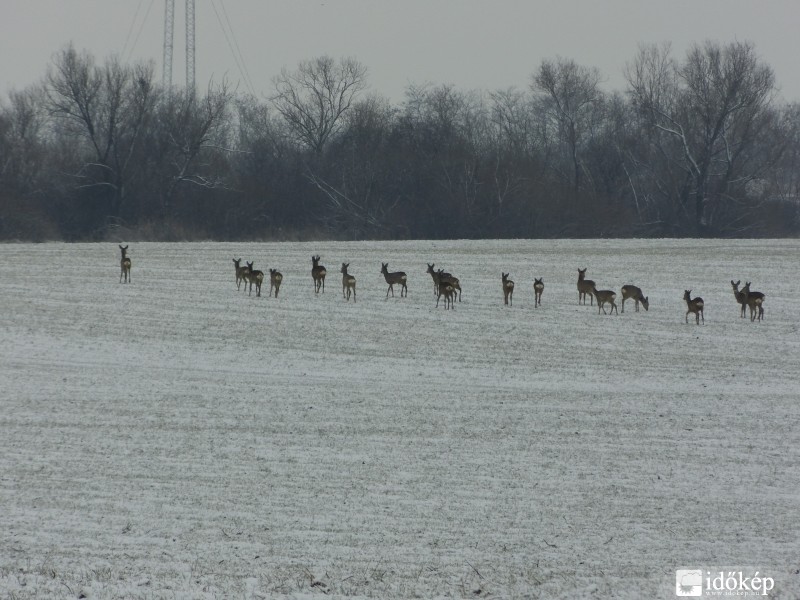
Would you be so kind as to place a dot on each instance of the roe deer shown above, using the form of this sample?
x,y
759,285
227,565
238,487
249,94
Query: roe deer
x,y
739,296
447,290
694,306
124,265
754,301
452,280
254,276
538,288
585,286
348,283
397,277
275,279
241,272
605,297
318,273
631,292
435,277
508,288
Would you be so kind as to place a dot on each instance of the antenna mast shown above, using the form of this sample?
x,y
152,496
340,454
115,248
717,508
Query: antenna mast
x,y
190,46
169,31
169,35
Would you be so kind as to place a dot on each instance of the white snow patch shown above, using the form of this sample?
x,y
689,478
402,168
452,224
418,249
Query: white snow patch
x,y
173,437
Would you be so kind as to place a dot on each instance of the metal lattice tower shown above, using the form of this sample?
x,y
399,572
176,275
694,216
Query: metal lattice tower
x,y
169,31
169,35
190,46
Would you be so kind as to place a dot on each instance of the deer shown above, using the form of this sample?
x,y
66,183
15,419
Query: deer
x,y
739,297
694,306
538,288
508,289
435,277
585,286
348,283
241,272
254,276
275,279
124,265
605,297
631,292
754,301
447,290
318,273
452,280
397,277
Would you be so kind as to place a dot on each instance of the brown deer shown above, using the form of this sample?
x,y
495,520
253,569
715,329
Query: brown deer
x,y
275,279
435,277
452,280
124,265
585,286
508,289
694,306
241,272
348,283
447,290
397,277
318,273
254,276
605,297
739,297
754,301
631,292
538,288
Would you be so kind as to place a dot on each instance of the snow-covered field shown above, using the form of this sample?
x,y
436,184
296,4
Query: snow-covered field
x,y
177,438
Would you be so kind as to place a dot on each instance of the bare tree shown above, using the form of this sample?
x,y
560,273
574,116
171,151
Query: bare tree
x,y
24,166
192,126
357,182
571,99
106,107
704,115
314,98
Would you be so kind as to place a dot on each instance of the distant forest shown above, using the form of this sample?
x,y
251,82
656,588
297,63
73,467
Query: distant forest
x,y
696,145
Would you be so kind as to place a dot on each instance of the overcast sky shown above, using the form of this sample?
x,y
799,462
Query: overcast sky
x,y
487,44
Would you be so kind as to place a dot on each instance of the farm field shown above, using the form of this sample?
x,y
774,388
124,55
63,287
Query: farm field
x,y
177,438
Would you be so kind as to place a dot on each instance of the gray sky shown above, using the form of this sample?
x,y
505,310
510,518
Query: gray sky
x,y
468,43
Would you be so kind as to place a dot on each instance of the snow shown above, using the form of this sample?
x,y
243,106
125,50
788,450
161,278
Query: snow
x,y
177,438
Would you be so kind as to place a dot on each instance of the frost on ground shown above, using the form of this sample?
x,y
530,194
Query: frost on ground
x,y
177,438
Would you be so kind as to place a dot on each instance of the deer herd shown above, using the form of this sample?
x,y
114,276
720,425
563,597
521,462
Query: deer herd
x,y
448,286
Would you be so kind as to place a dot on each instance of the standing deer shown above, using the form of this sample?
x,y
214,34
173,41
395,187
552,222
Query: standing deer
x,y
605,297
585,286
348,283
254,276
631,292
397,277
241,272
508,289
739,297
318,273
452,280
435,277
124,265
447,290
754,301
275,279
694,306
538,288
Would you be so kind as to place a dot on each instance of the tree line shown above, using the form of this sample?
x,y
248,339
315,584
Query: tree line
x,y
697,145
